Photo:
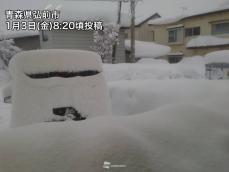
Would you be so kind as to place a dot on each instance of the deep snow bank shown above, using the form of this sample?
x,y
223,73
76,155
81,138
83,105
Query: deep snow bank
x,y
154,70
133,97
180,137
148,49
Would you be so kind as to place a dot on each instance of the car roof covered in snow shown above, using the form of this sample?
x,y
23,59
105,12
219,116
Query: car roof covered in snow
x,y
55,60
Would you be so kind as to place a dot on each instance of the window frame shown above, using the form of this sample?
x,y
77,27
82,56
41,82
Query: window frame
x,y
177,41
192,31
218,23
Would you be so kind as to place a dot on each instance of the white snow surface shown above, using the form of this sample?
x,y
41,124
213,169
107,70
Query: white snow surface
x,y
217,57
34,99
175,124
148,49
154,70
5,112
206,41
186,135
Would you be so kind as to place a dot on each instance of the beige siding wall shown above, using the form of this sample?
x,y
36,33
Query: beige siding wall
x,y
143,33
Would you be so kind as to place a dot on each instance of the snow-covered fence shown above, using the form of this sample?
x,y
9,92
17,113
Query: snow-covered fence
x,y
56,85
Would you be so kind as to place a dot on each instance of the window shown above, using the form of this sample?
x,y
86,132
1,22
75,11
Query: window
x,y
220,28
175,35
174,59
194,31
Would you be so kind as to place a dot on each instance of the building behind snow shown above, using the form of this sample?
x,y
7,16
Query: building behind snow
x,y
190,35
106,12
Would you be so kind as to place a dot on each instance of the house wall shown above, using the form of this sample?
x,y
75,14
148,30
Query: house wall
x,y
81,40
161,33
28,43
142,33
60,39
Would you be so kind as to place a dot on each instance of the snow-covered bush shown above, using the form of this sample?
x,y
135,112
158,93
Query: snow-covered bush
x,y
56,85
105,40
7,51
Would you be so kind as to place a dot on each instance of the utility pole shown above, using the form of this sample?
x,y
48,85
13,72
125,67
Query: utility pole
x,y
132,31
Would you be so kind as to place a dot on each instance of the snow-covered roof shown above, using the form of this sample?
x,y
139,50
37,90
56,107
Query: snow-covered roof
x,y
182,16
207,41
148,49
217,57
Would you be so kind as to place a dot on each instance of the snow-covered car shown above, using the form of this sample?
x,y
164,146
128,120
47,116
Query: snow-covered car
x,y
56,85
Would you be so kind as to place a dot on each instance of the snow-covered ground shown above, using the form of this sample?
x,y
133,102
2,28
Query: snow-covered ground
x,y
189,68
179,136
165,118
4,108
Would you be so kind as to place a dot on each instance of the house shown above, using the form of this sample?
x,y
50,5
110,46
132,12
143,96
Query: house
x,y
189,35
109,12
142,30
106,12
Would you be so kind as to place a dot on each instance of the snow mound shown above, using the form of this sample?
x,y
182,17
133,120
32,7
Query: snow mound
x,y
159,71
148,49
195,60
133,97
207,41
48,83
179,137
152,61
217,57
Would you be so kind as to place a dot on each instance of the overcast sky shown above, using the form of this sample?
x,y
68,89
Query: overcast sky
x,y
164,7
